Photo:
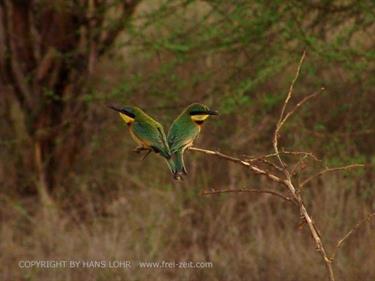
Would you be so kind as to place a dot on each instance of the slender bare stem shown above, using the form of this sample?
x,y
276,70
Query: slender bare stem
x,y
349,233
265,161
285,179
298,105
280,122
250,190
247,164
314,231
287,182
328,170
286,152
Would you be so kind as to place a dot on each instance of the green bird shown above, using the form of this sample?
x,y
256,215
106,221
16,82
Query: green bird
x,y
145,131
182,133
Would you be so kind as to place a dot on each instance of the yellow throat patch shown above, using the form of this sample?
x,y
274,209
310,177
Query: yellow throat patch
x,y
126,118
200,117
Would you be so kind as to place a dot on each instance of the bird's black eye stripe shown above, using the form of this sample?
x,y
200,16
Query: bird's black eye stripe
x,y
198,112
132,115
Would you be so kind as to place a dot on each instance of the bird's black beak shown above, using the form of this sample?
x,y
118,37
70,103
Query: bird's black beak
x,y
212,112
114,108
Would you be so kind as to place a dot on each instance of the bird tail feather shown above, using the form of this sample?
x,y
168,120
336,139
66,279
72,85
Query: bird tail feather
x,y
176,165
171,164
179,164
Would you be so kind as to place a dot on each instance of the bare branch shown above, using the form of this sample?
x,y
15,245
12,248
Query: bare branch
x,y
299,164
247,164
296,196
251,190
328,170
288,181
299,104
303,153
287,152
286,178
315,233
280,122
267,162
349,233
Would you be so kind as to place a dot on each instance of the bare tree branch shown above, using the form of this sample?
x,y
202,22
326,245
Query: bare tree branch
x,y
349,233
280,122
299,104
299,164
286,178
247,164
303,153
315,233
328,170
287,152
287,181
296,196
267,162
251,190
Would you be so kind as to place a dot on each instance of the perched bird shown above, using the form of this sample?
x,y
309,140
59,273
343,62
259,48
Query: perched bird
x,y
183,131
145,131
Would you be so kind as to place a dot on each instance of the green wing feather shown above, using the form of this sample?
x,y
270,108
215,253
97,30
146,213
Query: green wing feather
x,y
153,134
179,164
180,135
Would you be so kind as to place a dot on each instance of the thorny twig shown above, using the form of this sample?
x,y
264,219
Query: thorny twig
x,y
267,162
286,178
299,164
349,233
328,170
281,122
287,152
278,194
295,192
296,196
308,154
255,169
298,105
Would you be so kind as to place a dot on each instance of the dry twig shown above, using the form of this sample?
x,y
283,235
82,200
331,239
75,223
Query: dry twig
x,y
288,181
267,162
281,119
298,105
299,164
247,164
328,170
250,190
287,152
286,178
349,233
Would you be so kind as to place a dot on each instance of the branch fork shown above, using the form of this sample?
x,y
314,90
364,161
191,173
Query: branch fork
x,y
286,179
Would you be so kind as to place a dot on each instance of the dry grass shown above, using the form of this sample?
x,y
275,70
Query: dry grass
x,y
247,237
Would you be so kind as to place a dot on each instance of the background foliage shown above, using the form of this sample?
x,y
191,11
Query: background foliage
x,y
238,57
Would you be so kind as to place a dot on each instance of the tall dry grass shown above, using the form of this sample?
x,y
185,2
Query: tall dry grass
x,y
247,237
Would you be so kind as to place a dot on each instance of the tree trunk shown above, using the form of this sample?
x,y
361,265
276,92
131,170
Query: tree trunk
x,y
49,50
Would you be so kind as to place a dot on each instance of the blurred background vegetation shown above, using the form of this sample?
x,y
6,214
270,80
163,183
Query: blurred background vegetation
x,y
72,189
